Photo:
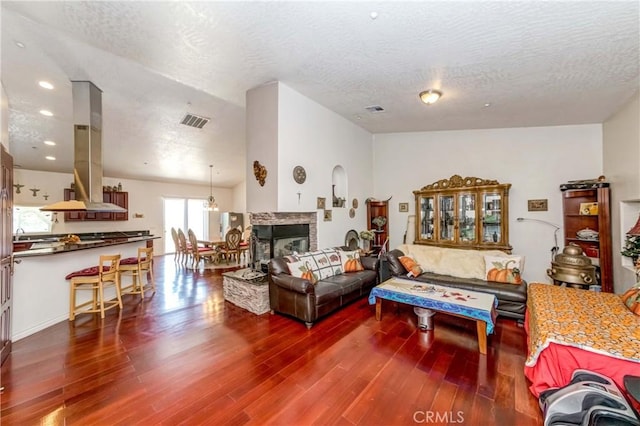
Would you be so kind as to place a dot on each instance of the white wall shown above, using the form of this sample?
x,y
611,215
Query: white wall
x,y
311,136
621,142
262,146
534,160
145,198
4,118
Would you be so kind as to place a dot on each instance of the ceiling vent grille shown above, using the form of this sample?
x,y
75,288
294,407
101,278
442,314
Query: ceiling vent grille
x,y
194,121
374,108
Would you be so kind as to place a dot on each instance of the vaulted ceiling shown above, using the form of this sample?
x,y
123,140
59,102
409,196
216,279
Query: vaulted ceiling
x,y
498,64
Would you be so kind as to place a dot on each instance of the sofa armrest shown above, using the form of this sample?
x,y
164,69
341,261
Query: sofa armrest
x,y
289,282
369,262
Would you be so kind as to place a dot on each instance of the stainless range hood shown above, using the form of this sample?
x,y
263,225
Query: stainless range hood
x,y
87,168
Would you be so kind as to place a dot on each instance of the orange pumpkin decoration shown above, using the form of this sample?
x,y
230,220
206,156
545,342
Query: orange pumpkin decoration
x,y
501,276
307,273
514,276
630,294
491,275
353,265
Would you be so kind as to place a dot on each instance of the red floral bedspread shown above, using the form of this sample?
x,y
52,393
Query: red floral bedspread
x,y
569,328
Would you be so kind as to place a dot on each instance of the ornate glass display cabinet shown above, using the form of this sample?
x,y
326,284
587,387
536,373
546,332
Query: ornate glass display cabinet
x,y
464,213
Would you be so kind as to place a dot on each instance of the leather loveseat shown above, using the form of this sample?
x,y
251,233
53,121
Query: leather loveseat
x,y
299,298
512,298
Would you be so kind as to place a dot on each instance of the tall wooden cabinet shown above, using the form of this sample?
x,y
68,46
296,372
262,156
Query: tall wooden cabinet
x,y
378,222
587,223
6,252
459,212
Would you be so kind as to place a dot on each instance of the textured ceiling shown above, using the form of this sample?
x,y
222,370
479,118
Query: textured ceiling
x,y
536,63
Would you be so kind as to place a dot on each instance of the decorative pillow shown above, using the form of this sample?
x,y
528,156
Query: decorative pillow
x,y
335,260
411,266
631,298
350,261
504,269
320,263
302,269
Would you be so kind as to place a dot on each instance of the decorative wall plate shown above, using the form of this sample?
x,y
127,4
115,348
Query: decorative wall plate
x,y
354,203
299,174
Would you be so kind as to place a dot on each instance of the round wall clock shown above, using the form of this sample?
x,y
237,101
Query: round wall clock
x,y
299,174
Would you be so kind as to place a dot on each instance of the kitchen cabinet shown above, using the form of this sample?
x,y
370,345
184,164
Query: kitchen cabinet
x,y
118,198
459,212
587,223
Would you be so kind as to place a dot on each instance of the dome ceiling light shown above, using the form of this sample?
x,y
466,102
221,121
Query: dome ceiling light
x,y
430,96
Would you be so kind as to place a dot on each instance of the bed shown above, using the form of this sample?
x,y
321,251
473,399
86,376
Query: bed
x,y
569,328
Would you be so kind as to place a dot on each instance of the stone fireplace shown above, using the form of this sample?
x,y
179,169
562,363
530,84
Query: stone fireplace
x,y
277,234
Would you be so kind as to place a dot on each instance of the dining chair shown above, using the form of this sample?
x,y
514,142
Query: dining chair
x,y
185,247
95,279
200,252
138,268
232,241
176,243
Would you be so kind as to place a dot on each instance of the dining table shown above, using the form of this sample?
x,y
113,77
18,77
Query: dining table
x,y
215,245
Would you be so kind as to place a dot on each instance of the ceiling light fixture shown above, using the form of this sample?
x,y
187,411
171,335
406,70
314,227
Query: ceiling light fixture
x,y
430,96
19,44
45,85
47,113
50,143
211,204
50,158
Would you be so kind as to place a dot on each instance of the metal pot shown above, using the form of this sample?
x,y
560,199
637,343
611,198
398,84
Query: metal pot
x,y
572,266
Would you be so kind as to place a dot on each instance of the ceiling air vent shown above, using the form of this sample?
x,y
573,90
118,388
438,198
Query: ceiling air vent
x,y
374,108
194,121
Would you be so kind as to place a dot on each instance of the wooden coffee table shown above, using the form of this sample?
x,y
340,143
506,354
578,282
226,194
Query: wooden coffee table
x,y
480,307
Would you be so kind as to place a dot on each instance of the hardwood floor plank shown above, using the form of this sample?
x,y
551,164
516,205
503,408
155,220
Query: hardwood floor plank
x,y
185,356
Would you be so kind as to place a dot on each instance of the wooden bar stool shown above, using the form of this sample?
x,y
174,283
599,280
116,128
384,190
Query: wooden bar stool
x,y
96,279
137,268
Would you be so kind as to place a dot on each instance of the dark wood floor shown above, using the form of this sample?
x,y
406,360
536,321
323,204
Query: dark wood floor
x,y
185,356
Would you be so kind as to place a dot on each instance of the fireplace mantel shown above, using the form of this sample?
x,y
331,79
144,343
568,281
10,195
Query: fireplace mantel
x,y
289,218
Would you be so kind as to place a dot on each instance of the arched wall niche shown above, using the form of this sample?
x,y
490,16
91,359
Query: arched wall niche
x,y
339,187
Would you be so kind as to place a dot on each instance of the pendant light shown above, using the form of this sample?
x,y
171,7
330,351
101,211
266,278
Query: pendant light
x,y
211,204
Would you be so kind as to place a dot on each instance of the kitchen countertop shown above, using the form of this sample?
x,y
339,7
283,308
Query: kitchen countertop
x,y
44,247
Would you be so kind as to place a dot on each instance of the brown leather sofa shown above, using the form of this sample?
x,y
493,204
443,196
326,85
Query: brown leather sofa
x,y
512,299
298,298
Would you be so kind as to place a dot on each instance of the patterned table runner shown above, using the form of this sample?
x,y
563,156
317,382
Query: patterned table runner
x,y
471,304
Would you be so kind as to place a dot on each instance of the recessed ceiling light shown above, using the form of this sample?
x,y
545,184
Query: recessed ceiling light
x,y
45,85
50,158
20,44
487,105
430,96
373,15
50,143
47,113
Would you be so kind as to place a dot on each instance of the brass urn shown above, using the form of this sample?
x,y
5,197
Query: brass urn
x,y
572,267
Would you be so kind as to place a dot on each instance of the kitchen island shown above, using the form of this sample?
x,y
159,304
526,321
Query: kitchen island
x,y
41,292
